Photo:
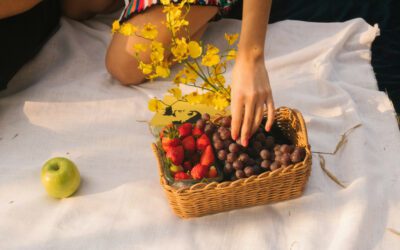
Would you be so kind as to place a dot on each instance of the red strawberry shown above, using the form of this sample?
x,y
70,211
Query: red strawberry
x,y
163,131
207,157
212,172
202,142
185,130
187,166
176,154
189,144
181,176
199,172
197,132
170,138
167,143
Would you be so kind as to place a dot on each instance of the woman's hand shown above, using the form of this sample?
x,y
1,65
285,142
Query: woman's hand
x,y
251,93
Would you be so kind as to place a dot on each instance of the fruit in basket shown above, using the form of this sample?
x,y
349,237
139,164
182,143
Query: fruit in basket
x,y
186,145
212,172
199,172
176,154
187,166
175,169
218,144
189,143
249,171
234,148
275,165
205,117
170,138
197,132
182,176
167,143
185,130
207,157
222,155
202,142
60,177
238,165
200,124
264,153
240,174
265,164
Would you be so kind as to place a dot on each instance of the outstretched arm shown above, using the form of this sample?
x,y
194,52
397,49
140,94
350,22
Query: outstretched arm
x,y
251,90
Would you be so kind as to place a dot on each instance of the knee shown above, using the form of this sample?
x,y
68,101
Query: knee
x,y
126,73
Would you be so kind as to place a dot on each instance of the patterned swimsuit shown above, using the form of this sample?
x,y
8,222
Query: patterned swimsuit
x,y
136,6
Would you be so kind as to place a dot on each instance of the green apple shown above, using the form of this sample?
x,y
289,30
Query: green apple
x,y
60,177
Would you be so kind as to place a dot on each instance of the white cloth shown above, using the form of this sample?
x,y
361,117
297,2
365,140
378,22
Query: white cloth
x,y
75,109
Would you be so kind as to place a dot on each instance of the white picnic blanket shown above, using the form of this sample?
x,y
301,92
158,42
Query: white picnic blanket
x,y
75,109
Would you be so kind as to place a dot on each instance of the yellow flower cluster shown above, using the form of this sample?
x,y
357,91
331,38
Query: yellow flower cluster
x,y
199,62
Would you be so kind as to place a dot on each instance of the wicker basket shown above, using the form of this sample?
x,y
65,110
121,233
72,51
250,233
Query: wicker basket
x,y
281,184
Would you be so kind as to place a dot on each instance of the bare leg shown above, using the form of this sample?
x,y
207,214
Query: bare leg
x,y
119,59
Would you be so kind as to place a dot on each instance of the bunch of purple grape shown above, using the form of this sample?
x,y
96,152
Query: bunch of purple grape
x,y
263,153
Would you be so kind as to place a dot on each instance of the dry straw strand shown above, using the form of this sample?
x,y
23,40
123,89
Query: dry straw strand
x,y
326,171
343,138
342,141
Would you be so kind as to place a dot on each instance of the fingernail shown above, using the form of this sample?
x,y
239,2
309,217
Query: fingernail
x,y
246,142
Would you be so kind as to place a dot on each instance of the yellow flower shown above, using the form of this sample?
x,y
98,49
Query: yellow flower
x,y
140,47
180,50
127,29
162,71
231,55
149,31
218,68
210,60
193,98
231,38
165,2
175,20
220,102
157,46
194,49
207,98
212,50
176,92
154,105
145,68
219,80
178,79
152,76
156,56
189,73
157,52
115,26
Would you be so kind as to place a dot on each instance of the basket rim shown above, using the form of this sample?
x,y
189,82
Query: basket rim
x,y
198,187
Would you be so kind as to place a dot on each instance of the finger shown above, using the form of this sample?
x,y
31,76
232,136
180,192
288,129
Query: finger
x,y
271,114
237,116
259,113
247,122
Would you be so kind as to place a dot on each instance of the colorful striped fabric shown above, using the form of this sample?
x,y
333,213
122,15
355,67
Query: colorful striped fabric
x,y
137,6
